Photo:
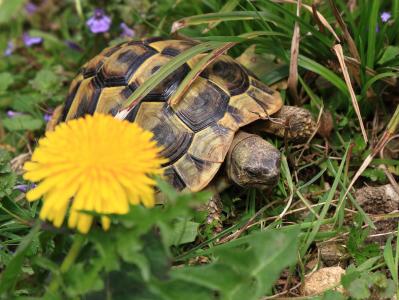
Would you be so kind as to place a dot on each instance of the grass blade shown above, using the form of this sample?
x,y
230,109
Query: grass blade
x,y
219,17
327,74
229,6
322,19
371,41
196,71
162,73
340,55
326,206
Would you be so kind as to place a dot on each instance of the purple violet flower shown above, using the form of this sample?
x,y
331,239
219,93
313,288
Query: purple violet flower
x,y
12,114
73,46
127,32
47,117
99,22
31,40
385,16
22,187
10,48
30,8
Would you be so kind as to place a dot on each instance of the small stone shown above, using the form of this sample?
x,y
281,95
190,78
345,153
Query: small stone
x,y
323,280
331,254
326,124
378,199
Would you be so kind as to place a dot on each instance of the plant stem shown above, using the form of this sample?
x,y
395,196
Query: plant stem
x,y
394,122
67,263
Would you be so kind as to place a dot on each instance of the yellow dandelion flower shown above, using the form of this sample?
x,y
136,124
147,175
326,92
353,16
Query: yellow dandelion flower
x,y
96,163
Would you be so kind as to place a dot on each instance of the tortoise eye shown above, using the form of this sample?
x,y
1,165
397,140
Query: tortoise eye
x,y
252,173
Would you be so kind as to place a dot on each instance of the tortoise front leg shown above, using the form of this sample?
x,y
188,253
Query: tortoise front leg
x,y
214,210
291,122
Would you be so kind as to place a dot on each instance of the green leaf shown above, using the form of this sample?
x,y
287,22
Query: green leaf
x,y
24,122
333,295
374,174
359,144
389,290
217,276
13,270
358,289
357,247
122,284
12,206
7,176
45,81
390,53
245,268
80,281
390,260
6,79
184,232
7,182
8,9
27,102
180,290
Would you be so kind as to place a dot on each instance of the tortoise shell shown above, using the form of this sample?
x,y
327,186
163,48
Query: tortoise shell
x,y
196,133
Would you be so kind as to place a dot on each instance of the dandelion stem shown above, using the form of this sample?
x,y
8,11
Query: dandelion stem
x,y
67,263
73,253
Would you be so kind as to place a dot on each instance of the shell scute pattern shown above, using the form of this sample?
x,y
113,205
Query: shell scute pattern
x,y
120,66
204,104
195,134
170,133
163,91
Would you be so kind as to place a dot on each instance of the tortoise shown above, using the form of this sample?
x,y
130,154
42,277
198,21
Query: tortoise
x,y
203,131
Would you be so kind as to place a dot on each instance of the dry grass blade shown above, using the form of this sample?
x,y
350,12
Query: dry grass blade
x,y
354,65
322,19
196,71
293,76
386,137
347,36
316,18
340,55
352,5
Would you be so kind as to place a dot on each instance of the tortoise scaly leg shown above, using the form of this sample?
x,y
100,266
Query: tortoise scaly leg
x,y
214,209
291,122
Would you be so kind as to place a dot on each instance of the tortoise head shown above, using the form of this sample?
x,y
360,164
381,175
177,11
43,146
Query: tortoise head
x,y
253,162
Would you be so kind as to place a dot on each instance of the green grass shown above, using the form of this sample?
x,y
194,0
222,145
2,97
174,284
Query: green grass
x,y
160,253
